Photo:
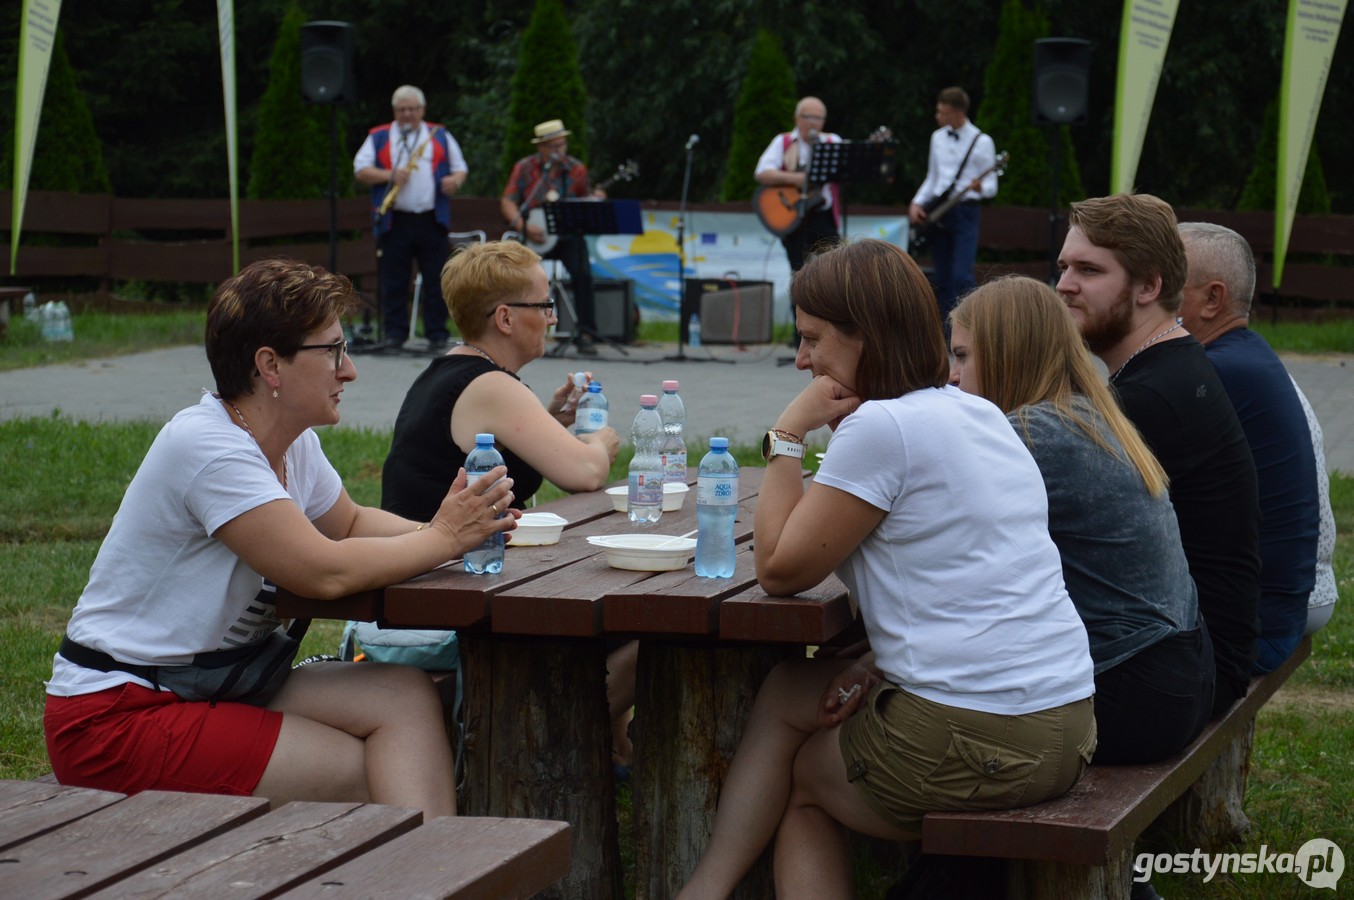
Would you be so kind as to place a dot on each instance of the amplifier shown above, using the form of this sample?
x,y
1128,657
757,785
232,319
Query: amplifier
x,y
614,303
731,311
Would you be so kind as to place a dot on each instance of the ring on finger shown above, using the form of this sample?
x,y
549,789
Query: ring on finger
x,y
494,507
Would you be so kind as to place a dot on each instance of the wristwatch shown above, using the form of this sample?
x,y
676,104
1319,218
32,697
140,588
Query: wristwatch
x,y
782,443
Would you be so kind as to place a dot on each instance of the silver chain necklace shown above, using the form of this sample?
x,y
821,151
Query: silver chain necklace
x,y
249,431
470,346
1149,342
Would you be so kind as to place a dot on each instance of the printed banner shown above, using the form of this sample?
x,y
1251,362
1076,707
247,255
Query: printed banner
x,y
37,35
1143,37
1313,27
225,19
718,245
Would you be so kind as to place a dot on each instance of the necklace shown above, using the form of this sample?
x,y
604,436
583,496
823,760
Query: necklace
x,y
1149,342
470,346
249,431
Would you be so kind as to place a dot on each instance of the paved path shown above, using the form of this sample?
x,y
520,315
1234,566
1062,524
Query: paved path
x,y
727,392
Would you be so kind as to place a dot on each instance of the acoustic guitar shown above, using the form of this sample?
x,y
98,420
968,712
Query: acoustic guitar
x,y
626,171
938,206
782,207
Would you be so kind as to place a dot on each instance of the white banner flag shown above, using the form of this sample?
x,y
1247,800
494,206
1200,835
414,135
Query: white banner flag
x,y
1143,37
37,35
1313,27
225,18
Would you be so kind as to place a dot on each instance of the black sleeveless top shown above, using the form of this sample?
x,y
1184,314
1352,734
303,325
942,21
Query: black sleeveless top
x,y
423,460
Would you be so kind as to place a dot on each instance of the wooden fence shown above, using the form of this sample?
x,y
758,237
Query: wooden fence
x,y
121,240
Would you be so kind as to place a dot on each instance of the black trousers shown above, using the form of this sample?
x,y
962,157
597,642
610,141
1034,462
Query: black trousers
x,y
818,227
413,237
572,251
1151,705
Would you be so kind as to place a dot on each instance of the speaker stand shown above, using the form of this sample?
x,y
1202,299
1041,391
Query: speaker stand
x,y
680,355
1055,165
562,297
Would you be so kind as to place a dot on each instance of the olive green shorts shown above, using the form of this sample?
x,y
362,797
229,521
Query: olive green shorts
x,y
908,756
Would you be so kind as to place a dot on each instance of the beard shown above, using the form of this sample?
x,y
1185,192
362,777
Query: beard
x,y
1104,331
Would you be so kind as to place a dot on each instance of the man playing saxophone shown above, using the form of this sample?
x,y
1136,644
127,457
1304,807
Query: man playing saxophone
x,y
413,168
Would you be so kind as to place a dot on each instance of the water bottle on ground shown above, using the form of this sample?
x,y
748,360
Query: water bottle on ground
x,y
673,450
31,313
487,558
693,331
64,330
646,466
592,410
716,509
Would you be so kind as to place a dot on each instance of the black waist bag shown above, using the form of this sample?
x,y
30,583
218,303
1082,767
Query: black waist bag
x,y
250,674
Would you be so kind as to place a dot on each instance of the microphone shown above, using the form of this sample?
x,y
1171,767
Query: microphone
x,y
692,141
813,135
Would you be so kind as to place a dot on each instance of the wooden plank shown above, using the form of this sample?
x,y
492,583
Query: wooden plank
x,y
1110,807
32,808
62,262
365,606
677,603
136,214
270,854
62,212
464,858
810,617
198,261
105,846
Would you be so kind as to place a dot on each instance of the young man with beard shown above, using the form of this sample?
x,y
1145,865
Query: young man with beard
x,y
1123,272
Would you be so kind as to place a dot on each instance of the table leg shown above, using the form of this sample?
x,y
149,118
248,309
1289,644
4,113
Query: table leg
x,y
538,746
691,703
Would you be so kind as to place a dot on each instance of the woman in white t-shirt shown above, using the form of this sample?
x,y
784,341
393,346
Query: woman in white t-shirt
x,y
234,499
976,690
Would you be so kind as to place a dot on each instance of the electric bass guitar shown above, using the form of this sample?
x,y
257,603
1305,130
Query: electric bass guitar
x,y
782,207
938,206
626,171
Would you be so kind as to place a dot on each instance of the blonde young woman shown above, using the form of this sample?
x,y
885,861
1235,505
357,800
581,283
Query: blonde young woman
x,y
1015,343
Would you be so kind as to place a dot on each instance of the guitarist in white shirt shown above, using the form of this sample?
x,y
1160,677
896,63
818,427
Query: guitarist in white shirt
x,y
960,152
548,175
786,162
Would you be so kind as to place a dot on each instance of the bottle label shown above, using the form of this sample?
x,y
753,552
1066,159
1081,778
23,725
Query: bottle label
x,y
717,490
674,466
592,418
646,488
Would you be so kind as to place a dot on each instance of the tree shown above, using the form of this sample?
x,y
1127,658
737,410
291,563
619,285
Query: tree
x,y
765,107
547,85
291,158
1007,91
1259,193
68,155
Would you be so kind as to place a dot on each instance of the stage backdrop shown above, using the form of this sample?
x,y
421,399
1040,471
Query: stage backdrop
x,y
718,245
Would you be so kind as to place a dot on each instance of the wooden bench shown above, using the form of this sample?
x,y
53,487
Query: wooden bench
x,y
1081,844
60,841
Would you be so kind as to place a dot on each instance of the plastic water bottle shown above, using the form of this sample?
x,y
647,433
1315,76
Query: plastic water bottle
x,y
64,330
487,558
716,509
673,449
592,410
31,307
646,467
693,331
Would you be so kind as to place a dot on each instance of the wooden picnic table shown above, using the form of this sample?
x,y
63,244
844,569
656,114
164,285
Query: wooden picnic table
x,y
58,841
533,651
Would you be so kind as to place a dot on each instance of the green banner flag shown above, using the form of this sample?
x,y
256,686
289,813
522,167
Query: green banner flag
x,y
37,35
225,18
1313,27
1143,37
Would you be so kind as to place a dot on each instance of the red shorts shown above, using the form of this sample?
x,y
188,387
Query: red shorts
x,y
131,738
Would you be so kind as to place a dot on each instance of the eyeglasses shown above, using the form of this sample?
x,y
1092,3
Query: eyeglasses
x,y
548,306
340,348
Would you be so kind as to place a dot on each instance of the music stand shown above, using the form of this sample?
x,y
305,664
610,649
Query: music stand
x,y
581,217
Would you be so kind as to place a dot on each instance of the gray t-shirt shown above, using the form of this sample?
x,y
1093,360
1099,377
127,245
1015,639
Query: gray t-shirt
x,y
1122,559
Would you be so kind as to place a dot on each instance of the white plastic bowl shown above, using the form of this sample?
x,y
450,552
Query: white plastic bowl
x,y
642,553
537,529
673,496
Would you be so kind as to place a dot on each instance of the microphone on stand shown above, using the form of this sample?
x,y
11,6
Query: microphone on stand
x,y
692,141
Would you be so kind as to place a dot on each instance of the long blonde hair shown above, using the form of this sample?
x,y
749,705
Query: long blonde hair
x,y
1028,350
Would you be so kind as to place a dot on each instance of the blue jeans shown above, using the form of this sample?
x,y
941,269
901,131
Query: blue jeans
x,y
954,250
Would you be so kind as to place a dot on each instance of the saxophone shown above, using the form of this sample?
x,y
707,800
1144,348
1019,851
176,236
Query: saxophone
x,y
410,166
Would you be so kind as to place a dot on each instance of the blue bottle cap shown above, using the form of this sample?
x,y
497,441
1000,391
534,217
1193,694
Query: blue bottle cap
x,y
719,443
485,438
594,387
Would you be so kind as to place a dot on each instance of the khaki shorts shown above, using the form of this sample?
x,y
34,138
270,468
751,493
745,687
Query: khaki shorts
x,y
908,756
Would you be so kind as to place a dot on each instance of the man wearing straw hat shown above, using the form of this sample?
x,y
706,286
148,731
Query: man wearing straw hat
x,y
548,175
413,167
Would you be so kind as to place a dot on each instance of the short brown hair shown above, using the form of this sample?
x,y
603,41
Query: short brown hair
x,y
1141,231
479,277
955,98
270,303
872,289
